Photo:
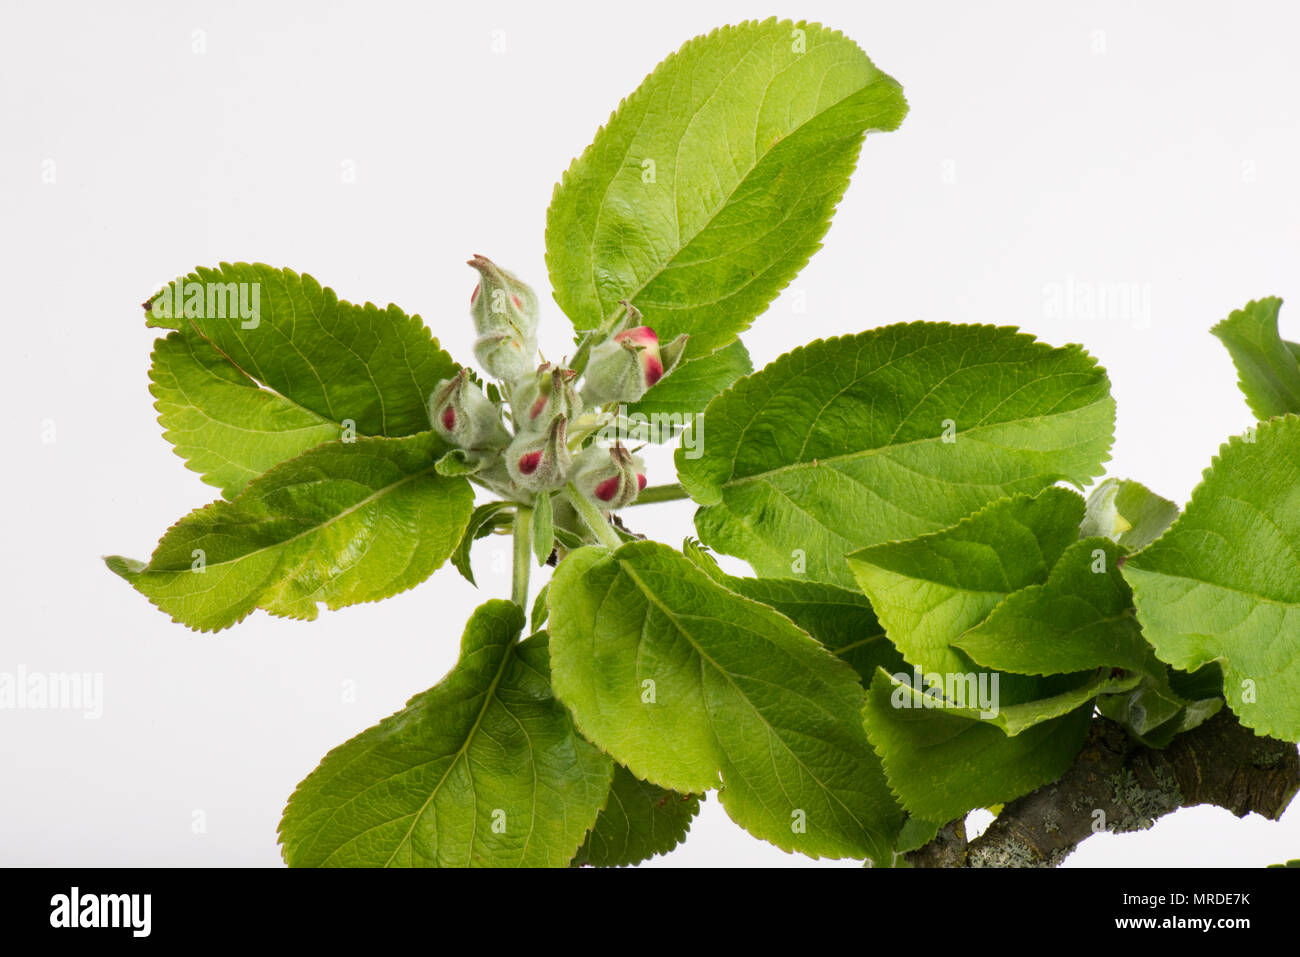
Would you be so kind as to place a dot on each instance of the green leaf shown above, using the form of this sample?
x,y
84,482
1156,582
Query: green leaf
x,y
713,183
543,530
692,687
1223,584
1080,618
226,427
456,462
842,620
916,834
484,769
341,524
1046,698
694,383
1128,513
482,522
930,591
943,762
540,610
236,395
887,435
1154,712
640,821
1267,366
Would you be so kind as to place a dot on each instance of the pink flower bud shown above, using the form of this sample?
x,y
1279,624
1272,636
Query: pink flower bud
x,y
464,416
624,366
540,462
501,303
610,477
537,400
647,344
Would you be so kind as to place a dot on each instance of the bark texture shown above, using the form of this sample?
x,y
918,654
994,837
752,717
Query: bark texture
x,y
1116,784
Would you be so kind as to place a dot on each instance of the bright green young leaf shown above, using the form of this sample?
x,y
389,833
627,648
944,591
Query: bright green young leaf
x,y
842,620
713,183
1154,712
931,591
543,530
1024,705
344,523
482,522
1267,367
693,385
916,833
484,769
238,394
1128,513
640,821
225,426
1080,618
1223,584
692,687
888,435
943,762
540,611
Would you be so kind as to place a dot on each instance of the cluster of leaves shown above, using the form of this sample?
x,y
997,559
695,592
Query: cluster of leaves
x,y
935,618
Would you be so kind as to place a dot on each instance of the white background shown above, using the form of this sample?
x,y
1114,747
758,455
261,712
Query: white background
x,y
1100,143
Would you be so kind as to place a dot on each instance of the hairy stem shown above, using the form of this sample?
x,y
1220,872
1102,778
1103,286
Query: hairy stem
x,y
523,556
594,518
660,493
1116,784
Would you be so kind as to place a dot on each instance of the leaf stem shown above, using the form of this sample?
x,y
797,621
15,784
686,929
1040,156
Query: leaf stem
x,y
660,493
594,518
523,556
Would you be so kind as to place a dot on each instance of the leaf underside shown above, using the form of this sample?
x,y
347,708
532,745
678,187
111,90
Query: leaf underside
x,y
343,523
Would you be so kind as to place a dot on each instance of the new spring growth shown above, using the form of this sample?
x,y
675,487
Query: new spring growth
x,y
611,477
624,366
505,317
540,461
464,416
538,399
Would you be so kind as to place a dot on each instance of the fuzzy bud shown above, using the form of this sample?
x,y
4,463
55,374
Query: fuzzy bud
x,y
501,303
540,461
538,399
464,416
610,477
623,367
504,357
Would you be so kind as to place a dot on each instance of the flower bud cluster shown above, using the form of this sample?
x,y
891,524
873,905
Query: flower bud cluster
x,y
541,451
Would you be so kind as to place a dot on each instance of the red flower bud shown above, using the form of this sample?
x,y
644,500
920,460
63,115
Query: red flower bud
x,y
611,477
624,366
540,461
464,416
536,401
